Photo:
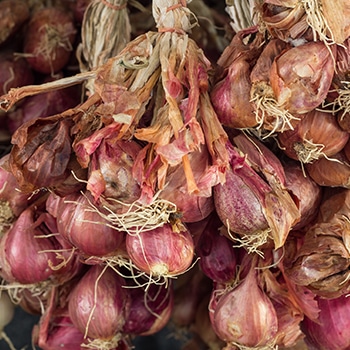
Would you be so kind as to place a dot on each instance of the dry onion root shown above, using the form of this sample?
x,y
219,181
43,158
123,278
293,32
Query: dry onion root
x,y
312,19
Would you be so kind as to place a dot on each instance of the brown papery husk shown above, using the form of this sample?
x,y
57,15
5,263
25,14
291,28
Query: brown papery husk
x,y
317,134
337,17
306,193
332,172
288,311
283,21
302,85
186,121
12,201
41,155
192,207
334,209
290,20
322,263
105,31
230,93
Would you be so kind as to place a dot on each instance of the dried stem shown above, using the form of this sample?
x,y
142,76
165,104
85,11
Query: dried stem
x,y
172,15
105,31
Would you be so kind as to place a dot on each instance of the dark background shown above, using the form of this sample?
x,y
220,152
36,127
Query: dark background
x,y
19,331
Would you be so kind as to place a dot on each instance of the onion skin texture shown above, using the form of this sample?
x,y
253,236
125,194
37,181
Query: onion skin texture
x,y
149,310
307,192
62,334
283,21
41,153
109,306
48,40
333,172
331,330
161,251
324,271
194,206
316,127
26,257
82,228
236,202
245,315
12,202
43,105
248,203
110,173
301,85
231,92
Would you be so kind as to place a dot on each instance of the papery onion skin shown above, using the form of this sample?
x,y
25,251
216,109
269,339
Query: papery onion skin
x,y
331,330
110,176
27,252
62,334
301,85
332,172
237,205
231,94
322,263
283,21
43,105
245,315
161,251
83,227
319,128
307,192
196,206
12,201
41,153
108,306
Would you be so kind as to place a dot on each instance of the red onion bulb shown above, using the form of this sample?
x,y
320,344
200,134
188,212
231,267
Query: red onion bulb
x,y
98,304
161,252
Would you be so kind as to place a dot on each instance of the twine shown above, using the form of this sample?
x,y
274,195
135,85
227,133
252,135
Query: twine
x,y
114,7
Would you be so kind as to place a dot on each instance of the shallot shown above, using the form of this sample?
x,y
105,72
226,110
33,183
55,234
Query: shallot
x,y
148,252
98,306
49,39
